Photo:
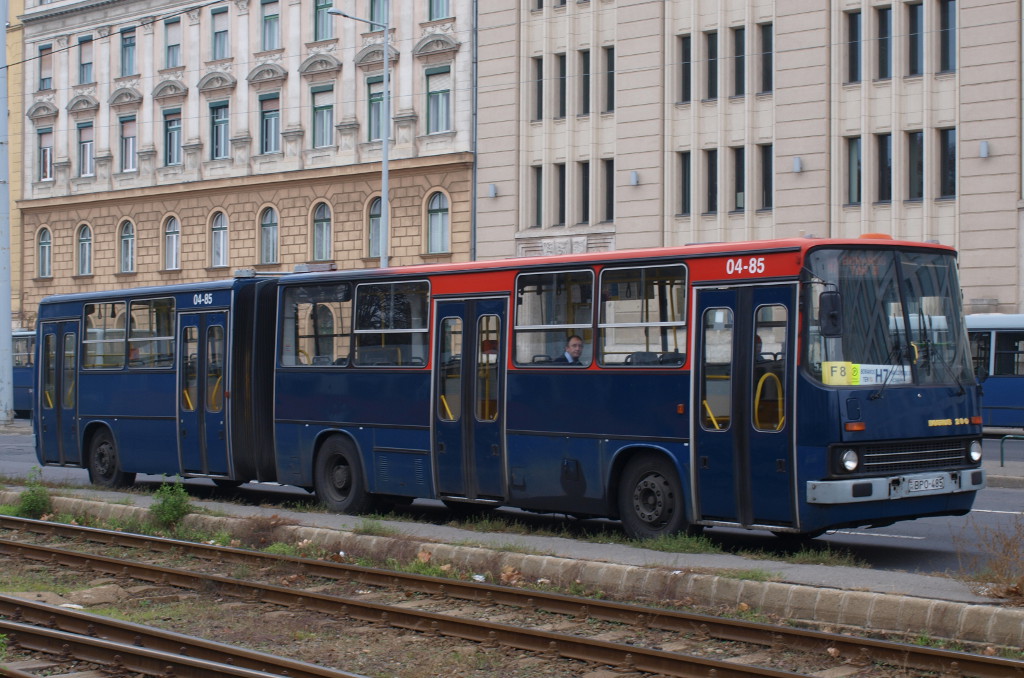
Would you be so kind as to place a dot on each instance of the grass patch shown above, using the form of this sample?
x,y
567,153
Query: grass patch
x,y
34,502
992,558
678,543
374,528
747,575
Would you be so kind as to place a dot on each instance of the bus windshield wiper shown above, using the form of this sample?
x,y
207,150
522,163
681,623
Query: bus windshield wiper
x,y
896,354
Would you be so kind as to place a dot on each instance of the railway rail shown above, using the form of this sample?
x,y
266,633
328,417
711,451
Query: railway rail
x,y
761,637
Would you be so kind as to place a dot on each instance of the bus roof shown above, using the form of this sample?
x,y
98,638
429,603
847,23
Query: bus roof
x,y
995,321
152,290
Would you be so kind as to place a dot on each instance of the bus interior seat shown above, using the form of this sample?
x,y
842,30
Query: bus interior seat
x,y
671,358
541,358
383,355
642,358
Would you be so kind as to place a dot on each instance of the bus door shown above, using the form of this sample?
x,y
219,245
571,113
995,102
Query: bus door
x,y
58,393
202,378
468,407
743,404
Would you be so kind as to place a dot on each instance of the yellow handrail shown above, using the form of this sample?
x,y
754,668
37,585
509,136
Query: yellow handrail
x,y
757,400
711,416
447,410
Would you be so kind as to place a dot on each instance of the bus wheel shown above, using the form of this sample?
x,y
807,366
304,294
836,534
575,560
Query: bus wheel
x,y
227,483
104,466
651,499
338,478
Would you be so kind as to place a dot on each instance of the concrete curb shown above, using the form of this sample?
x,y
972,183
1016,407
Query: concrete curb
x,y
829,606
1010,482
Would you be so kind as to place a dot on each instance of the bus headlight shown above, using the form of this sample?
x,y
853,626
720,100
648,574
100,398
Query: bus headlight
x,y
849,460
975,451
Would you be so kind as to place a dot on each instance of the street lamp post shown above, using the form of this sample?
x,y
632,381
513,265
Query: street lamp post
x,y
385,123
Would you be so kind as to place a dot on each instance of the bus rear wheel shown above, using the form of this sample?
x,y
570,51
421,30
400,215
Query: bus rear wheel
x,y
651,499
104,464
338,478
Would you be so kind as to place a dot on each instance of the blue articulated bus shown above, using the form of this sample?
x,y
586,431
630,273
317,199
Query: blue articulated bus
x,y
794,385
997,344
23,356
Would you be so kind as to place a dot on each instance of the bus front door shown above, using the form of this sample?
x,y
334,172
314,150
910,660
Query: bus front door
x,y
57,395
743,367
202,429
468,407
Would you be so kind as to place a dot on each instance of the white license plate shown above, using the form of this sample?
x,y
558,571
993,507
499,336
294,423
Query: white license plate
x,y
925,484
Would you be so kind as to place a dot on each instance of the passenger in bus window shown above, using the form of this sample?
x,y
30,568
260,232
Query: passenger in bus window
x,y
573,350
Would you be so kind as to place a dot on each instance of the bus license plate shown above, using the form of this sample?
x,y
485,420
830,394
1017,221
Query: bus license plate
x,y
925,484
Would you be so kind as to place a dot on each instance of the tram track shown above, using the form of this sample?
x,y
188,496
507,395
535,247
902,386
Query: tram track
x,y
756,640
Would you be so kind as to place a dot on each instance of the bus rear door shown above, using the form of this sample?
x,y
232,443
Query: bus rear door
x,y
743,404
202,430
58,393
468,402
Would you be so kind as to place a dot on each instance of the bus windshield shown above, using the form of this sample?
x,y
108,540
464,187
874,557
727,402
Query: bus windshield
x,y
901,320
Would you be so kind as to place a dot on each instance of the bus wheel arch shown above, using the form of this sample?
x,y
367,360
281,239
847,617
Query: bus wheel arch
x,y
338,478
650,495
102,459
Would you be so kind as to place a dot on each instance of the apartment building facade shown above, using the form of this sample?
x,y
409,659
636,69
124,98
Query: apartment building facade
x,y
172,142
613,124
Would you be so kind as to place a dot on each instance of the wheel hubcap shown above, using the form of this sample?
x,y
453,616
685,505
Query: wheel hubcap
x,y
649,499
340,477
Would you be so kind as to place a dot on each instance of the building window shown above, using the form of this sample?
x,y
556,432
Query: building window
x,y
883,147
127,247
947,163
853,47
85,60
378,9
563,92
711,47
219,240
711,172
128,53
271,38
609,83
560,180
685,69
373,232
219,146
219,48
172,244
172,137
915,39
439,10
322,20
608,170
439,98
322,232
767,57
437,223
584,82
538,196
915,165
739,184
376,113
84,250
323,118
685,184
86,150
172,38
44,254
947,35
884,17
538,88
584,174
45,67
268,236
767,152
853,171
129,145
45,154
270,124
739,61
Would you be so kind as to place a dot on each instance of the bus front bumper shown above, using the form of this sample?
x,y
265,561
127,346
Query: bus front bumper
x,y
894,487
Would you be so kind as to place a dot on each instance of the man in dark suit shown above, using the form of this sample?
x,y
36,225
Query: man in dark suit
x,y
573,350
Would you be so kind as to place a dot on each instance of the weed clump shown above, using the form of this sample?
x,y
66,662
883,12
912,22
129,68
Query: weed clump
x,y
171,504
34,502
993,558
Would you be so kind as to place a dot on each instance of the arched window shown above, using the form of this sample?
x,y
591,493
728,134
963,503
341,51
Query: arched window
x,y
322,232
437,223
84,250
374,234
219,240
44,254
127,247
268,236
172,244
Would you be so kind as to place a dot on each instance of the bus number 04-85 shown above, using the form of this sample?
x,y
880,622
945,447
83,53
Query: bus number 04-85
x,y
752,265
202,299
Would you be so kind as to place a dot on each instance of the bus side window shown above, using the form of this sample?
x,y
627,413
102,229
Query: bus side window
x,y
449,373
769,368
189,378
716,386
49,371
214,368
1009,354
70,370
550,309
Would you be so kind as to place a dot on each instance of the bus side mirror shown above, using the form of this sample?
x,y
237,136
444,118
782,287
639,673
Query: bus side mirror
x,y
830,313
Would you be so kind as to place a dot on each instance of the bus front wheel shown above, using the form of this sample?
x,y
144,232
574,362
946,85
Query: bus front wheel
x,y
651,499
104,464
338,478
